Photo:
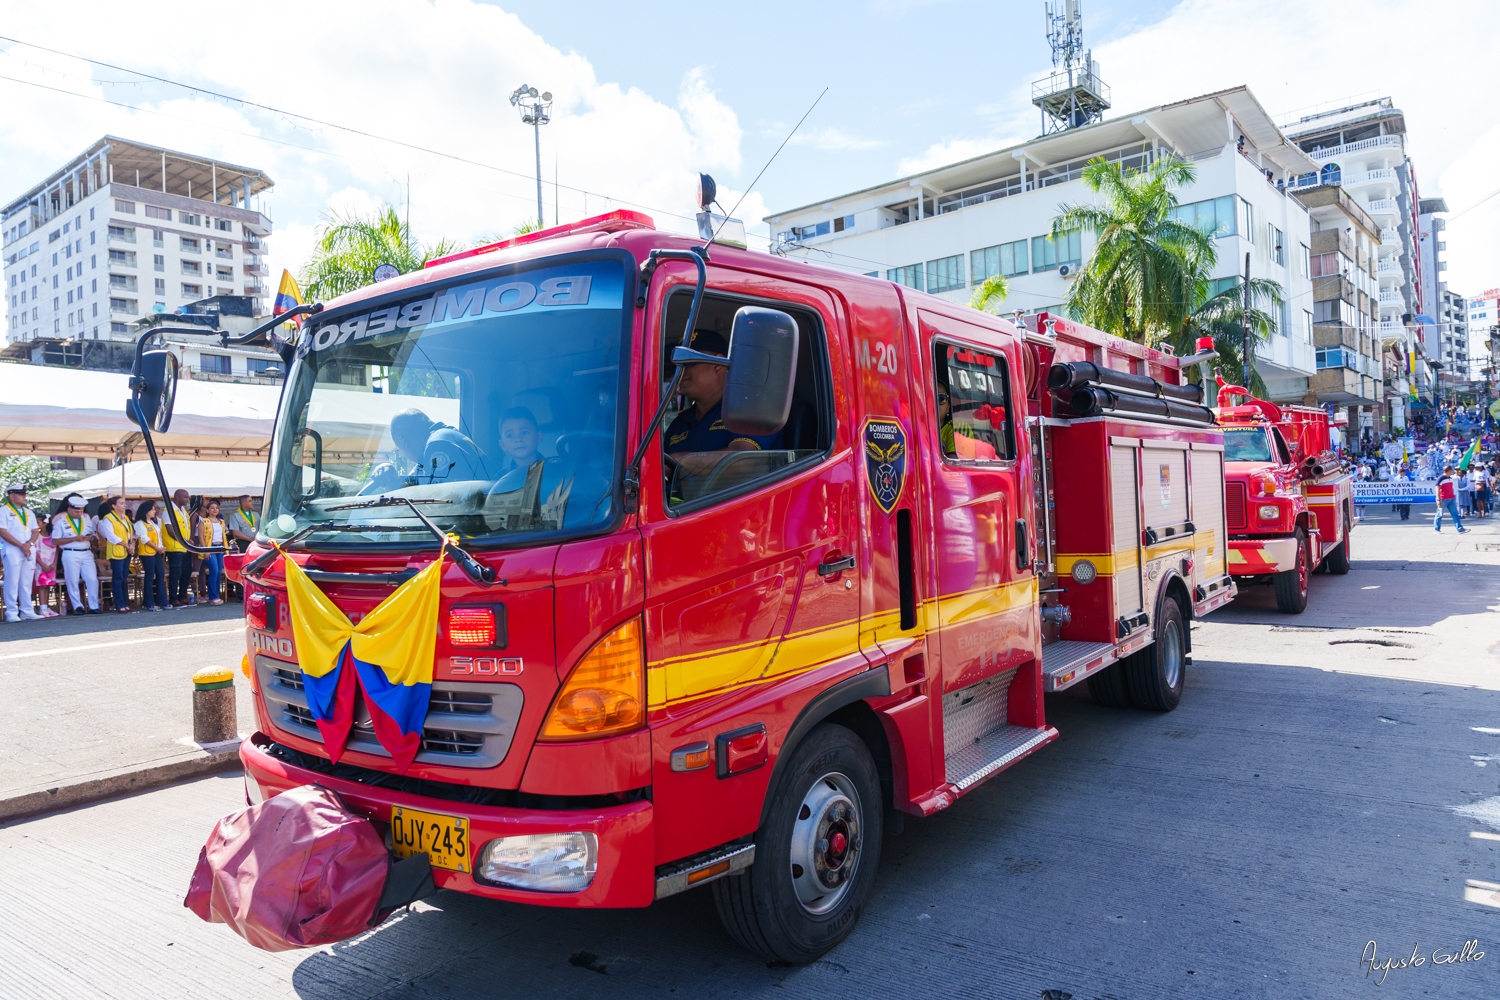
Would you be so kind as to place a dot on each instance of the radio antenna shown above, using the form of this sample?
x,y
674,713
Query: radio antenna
x,y
763,169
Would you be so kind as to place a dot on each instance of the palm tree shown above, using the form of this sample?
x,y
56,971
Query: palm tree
x,y
1141,279
350,248
991,291
1221,317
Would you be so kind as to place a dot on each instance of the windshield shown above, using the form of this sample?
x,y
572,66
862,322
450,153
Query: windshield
x,y
1249,445
495,403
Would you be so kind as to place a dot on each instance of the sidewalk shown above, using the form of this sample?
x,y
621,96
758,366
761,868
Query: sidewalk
x,y
93,706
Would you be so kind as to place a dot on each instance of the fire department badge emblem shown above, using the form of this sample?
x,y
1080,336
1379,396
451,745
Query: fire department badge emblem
x,y
885,461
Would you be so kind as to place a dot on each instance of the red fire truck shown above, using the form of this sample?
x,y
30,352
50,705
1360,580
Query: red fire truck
x,y
731,645
1289,503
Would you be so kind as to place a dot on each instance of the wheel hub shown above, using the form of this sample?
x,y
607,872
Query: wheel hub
x,y
825,843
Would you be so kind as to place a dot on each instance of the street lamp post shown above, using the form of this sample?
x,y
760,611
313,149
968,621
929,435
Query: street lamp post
x,y
534,108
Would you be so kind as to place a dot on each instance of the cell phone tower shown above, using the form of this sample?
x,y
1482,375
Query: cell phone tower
x,y
1073,94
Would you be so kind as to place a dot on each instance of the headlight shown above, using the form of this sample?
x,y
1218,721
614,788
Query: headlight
x,y
1084,572
546,862
1270,512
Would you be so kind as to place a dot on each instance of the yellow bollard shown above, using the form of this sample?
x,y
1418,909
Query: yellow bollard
x,y
214,717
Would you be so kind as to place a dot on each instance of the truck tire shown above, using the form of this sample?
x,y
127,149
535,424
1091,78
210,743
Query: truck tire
x,y
1108,688
1291,585
1155,675
1337,561
815,854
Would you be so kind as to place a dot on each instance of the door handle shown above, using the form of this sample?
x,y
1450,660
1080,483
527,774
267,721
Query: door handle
x,y
837,566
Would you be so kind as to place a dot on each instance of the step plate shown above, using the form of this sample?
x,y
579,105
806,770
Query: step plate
x,y
993,752
1066,663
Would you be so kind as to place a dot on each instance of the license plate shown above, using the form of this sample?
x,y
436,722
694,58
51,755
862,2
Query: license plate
x,y
444,839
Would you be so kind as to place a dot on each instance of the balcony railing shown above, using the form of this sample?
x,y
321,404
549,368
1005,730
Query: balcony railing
x,y
1390,237
1329,152
1383,205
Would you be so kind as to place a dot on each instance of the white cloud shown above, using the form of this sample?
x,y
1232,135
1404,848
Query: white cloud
x,y
435,74
830,139
945,152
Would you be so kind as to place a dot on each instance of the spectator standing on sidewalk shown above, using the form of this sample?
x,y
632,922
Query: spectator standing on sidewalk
x,y
1447,499
178,561
243,523
1465,492
1481,491
19,531
73,532
148,546
119,541
211,531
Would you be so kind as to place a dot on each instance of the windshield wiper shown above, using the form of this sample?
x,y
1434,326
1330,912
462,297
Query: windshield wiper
x,y
472,568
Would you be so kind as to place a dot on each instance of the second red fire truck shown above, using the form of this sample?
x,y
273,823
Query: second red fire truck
x,y
731,644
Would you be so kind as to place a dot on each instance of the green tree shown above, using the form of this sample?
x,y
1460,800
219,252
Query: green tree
x,y
38,475
1141,280
1222,317
351,247
991,291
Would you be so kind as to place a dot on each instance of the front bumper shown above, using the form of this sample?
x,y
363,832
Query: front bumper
x,y
1260,556
625,873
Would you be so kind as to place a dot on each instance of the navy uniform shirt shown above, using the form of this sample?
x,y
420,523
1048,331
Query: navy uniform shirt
x,y
688,433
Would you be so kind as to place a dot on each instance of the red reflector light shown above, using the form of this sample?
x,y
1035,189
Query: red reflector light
x,y
741,750
260,611
471,626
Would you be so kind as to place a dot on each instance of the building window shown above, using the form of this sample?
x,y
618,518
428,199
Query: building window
x,y
189,219
218,364
1307,327
123,306
945,274
118,328
95,311
158,238
127,207
1216,216
1275,245
161,287
843,223
124,258
224,225
1006,259
192,267
1048,254
910,276
152,212
224,273
1326,264
1246,219
92,234
94,285
158,262
1305,258
189,244
263,368
191,291
125,234
808,232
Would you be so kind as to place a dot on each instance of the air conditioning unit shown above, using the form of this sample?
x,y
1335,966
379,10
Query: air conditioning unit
x,y
1067,270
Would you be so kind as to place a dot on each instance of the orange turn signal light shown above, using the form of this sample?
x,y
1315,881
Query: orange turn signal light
x,y
606,692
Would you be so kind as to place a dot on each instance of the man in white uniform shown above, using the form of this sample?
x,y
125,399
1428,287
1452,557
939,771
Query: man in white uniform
x,y
73,533
19,531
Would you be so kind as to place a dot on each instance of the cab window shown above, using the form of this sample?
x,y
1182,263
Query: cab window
x,y
703,461
973,404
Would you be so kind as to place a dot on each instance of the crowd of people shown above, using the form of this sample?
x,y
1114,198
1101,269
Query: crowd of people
x,y
124,540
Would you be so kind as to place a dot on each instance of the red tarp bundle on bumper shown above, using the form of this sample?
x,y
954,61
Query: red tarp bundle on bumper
x,y
294,871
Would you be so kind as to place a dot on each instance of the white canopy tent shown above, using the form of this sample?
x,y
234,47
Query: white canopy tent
x,y
210,479
64,411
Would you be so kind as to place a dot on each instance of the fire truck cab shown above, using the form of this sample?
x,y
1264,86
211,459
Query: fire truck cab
x,y
728,619
1290,504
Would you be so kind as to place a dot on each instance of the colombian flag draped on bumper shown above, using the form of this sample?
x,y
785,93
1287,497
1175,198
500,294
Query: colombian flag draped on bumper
x,y
388,655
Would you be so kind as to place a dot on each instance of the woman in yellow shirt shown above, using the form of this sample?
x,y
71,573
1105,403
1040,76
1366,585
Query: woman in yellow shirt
x,y
148,545
211,531
119,538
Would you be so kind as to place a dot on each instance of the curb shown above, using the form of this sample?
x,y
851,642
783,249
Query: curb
x,y
33,804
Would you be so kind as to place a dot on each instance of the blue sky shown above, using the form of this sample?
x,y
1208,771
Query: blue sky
x,y
647,95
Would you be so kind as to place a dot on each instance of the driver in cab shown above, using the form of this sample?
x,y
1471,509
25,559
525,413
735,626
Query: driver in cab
x,y
441,454
697,439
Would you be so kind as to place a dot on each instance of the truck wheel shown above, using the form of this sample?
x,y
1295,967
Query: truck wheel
x,y
1155,675
815,855
1108,688
1337,561
1291,585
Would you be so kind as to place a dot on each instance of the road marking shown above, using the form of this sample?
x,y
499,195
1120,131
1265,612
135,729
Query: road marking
x,y
122,642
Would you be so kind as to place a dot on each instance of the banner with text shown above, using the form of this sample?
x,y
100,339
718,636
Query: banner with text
x,y
1370,494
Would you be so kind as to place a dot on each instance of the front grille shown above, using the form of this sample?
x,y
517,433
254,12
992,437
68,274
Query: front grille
x,y
1236,499
469,724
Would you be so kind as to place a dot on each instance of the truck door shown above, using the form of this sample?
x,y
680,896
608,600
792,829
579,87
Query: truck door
x,y
745,556
983,531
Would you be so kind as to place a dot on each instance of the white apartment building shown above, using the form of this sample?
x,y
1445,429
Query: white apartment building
x,y
125,230
1362,148
945,230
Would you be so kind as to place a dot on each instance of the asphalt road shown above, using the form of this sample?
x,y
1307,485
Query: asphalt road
x,y
1328,780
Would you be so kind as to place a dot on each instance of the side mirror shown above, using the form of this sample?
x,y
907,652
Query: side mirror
x,y
156,389
762,367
